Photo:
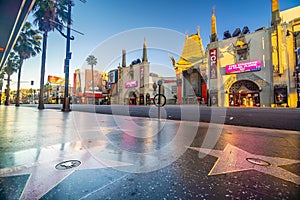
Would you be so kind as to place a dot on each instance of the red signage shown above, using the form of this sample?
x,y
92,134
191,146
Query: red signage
x,y
213,58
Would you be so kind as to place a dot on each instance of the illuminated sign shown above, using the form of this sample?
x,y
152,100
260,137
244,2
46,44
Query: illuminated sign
x,y
250,66
131,84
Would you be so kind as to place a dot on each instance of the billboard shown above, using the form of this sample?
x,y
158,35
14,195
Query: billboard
x,y
112,76
99,80
254,65
56,80
77,89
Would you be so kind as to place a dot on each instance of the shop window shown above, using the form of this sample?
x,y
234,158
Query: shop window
x,y
280,94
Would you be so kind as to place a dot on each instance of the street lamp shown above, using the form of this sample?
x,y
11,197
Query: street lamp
x,y
66,103
297,63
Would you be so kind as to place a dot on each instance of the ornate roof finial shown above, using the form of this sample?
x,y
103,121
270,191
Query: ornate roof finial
x,y
213,36
275,13
145,44
198,30
275,6
186,34
123,58
145,59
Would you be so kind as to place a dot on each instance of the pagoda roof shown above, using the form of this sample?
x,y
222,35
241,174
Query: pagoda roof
x,y
192,52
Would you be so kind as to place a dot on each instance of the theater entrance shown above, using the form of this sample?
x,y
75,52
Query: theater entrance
x,y
244,94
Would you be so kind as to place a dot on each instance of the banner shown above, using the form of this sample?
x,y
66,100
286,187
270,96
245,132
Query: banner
x,y
213,58
141,76
254,65
298,57
131,84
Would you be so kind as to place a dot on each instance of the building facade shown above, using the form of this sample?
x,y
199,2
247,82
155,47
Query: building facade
x,y
245,69
191,71
130,84
241,70
83,90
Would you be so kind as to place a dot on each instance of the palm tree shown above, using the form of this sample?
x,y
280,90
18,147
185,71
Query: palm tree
x,y
92,60
12,64
48,89
1,83
49,15
28,45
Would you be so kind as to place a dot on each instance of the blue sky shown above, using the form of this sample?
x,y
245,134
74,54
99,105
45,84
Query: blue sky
x,y
110,26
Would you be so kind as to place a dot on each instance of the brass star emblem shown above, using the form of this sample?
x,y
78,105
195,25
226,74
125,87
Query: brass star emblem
x,y
234,159
43,174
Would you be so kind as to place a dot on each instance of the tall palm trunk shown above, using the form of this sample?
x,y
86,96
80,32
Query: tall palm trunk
x,y
7,103
19,81
0,93
93,84
41,96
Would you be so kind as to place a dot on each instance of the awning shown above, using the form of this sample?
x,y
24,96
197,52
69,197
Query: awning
x,y
13,14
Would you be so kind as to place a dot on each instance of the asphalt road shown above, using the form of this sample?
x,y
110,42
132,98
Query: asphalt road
x,y
275,118
48,154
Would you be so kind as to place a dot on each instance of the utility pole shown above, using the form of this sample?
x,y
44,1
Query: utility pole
x,y
66,103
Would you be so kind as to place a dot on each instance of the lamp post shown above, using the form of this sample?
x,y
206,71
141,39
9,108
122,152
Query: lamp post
x,y
297,63
66,103
298,78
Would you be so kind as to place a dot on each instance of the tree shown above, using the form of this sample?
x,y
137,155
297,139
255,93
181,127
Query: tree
x,y
1,84
12,64
48,89
28,45
92,60
49,15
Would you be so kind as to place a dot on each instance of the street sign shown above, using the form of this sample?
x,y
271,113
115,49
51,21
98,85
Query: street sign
x,y
160,82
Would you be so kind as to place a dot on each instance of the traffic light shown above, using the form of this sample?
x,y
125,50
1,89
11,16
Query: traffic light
x,y
32,82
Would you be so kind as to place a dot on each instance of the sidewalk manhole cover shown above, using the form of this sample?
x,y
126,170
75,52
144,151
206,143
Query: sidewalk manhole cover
x,y
257,161
67,164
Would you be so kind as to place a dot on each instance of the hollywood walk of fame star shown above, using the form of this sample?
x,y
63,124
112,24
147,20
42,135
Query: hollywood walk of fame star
x,y
43,174
234,159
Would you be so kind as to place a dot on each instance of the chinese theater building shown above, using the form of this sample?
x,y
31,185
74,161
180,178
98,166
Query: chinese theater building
x,y
190,71
254,69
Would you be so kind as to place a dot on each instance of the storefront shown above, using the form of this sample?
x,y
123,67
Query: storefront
x,y
194,87
243,71
258,68
244,93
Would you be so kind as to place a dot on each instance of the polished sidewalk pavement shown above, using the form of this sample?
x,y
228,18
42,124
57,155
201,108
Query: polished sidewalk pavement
x,y
49,154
